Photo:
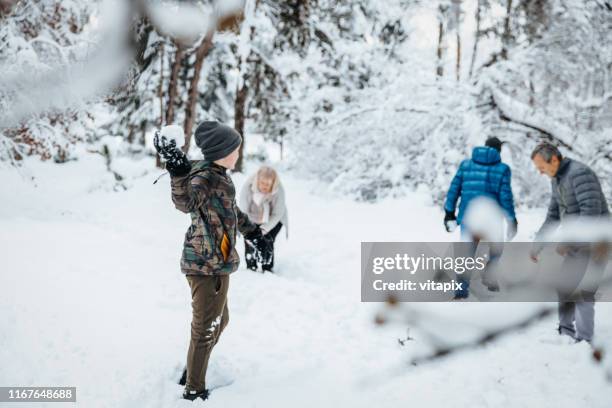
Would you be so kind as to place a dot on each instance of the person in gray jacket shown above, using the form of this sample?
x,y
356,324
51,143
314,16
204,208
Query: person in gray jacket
x,y
263,199
576,193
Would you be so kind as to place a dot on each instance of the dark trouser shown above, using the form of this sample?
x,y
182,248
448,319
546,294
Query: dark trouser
x,y
210,316
268,257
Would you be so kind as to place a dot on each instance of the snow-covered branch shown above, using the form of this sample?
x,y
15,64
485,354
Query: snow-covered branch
x,y
521,113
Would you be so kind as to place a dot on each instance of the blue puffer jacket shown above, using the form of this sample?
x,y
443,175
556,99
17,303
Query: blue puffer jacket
x,y
484,175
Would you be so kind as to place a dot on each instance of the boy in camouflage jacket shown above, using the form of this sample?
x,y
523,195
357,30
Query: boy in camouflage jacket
x,y
205,191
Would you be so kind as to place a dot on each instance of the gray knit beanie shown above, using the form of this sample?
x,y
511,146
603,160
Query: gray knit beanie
x,y
216,140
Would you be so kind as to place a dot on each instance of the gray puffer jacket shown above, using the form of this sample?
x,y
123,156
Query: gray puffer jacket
x,y
576,191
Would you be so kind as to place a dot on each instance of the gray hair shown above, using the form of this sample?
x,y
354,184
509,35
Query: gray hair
x,y
546,151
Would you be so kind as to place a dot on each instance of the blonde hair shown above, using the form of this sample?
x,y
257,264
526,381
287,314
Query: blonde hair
x,y
266,172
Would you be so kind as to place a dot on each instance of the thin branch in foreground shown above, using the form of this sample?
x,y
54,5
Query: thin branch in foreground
x,y
487,338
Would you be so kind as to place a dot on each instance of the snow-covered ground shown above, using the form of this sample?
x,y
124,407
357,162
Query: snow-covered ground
x,y
91,296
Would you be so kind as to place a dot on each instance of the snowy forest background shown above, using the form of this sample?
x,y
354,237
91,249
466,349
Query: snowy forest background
x,y
355,101
424,80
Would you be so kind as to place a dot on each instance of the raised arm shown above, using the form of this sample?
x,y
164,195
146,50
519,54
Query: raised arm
x,y
189,193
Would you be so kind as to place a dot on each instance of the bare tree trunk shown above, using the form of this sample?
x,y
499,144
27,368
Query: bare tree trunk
x,y
440,51
476,38
173,83
6,6
130,137
239,117
160,95
506,36
282,146
240,102
160,88
456,14
190,111
458,66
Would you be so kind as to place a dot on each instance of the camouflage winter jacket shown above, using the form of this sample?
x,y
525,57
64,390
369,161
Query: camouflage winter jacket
x,y
207,193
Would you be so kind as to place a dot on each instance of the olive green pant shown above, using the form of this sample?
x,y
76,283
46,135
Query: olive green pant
x,y
210,316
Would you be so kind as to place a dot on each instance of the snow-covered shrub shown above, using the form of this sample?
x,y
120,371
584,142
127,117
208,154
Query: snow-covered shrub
x,y
408,127
391,139
558,88
38,37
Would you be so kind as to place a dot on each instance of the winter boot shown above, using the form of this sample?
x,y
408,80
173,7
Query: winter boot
x,y
464,292
492,286
192,395
183,379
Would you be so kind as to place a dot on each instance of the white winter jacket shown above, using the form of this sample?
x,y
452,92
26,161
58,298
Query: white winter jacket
x,y
264,209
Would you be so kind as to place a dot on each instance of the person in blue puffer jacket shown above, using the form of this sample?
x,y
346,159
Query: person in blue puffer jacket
x,y
482,176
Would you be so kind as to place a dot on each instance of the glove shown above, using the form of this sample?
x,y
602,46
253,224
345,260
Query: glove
x,y
257,239
267,253
450,221
512,229
176,161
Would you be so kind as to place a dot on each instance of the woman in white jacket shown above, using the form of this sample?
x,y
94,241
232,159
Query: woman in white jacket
x,y
263,199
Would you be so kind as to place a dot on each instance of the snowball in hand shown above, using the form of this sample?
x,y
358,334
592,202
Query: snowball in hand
x,y
172,132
